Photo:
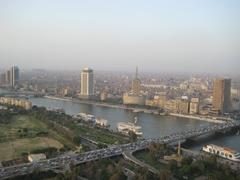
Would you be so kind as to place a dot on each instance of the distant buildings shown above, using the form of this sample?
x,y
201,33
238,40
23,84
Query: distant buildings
x,y
183,107
14,76
129,98
134,97
87,84
194,106
103,96
136,84
25,104
159,100
222,95
11,77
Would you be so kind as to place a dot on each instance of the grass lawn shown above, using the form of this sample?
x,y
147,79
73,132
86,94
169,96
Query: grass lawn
x,y
14,149
145,157
12,143
101,135
19,122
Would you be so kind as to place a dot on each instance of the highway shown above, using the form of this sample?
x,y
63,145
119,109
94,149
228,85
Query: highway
x,y
62,161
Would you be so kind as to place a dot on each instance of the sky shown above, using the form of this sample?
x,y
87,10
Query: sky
x,y
155,35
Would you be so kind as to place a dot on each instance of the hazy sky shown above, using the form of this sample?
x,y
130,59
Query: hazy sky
x,y
157,35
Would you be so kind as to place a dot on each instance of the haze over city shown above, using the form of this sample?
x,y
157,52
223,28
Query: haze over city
x,y
120,90
158,36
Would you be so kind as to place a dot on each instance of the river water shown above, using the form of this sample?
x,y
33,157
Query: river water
x,y
152,125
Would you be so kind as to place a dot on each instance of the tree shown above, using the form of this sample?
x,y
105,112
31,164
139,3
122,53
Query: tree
x,y
164,175
132,136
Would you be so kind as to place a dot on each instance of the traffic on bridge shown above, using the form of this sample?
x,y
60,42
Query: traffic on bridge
x,y
61,162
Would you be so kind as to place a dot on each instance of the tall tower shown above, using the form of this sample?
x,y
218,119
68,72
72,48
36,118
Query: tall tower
x,y
136,84
8,77
12,76
87,88
222,95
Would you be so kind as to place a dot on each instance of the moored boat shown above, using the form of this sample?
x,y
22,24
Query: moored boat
x,y
223,152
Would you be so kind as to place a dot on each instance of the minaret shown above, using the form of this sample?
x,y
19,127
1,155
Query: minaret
x,y
136,84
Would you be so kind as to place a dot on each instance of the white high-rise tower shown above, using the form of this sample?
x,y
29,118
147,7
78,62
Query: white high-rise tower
x,y
87,86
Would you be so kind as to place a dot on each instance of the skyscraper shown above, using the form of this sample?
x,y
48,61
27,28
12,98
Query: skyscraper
x,y
87,87
136,84
14,76
222,95
8,77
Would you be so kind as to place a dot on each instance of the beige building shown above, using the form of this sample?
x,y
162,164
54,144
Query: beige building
x,y
194,106
87,84
36,157
172,105
158,100
103,96
16,102
183,107
222,95
133,99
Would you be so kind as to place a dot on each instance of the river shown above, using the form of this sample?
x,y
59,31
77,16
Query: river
x,y
152,125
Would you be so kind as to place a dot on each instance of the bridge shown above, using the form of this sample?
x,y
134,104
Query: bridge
x,y
60,162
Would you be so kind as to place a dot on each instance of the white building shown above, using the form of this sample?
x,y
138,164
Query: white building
x,y
87,86
36,157
101,122
14,76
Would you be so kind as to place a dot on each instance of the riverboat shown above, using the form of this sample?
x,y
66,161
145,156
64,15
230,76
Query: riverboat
x,y
223,152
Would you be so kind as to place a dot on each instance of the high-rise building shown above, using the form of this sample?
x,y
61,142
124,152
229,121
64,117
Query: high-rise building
x,y
136,84
194,106
8,77
14,76
222,95
3,79
87,87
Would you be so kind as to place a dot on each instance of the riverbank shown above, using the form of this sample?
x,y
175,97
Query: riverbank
x,y
89,102
201,118
136,110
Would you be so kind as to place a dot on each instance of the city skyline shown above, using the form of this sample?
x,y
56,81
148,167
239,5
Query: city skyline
x,y
161,36
119,89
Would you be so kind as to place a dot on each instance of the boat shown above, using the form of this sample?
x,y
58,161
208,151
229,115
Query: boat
x,y
85,117
101,122
223,152
126,127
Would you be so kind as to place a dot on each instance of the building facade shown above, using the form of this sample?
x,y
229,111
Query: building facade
x,y
222,95
131,99
194,106
87,84
14,76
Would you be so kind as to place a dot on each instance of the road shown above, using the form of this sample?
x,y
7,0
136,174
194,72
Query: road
x,y
128,156
61,162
